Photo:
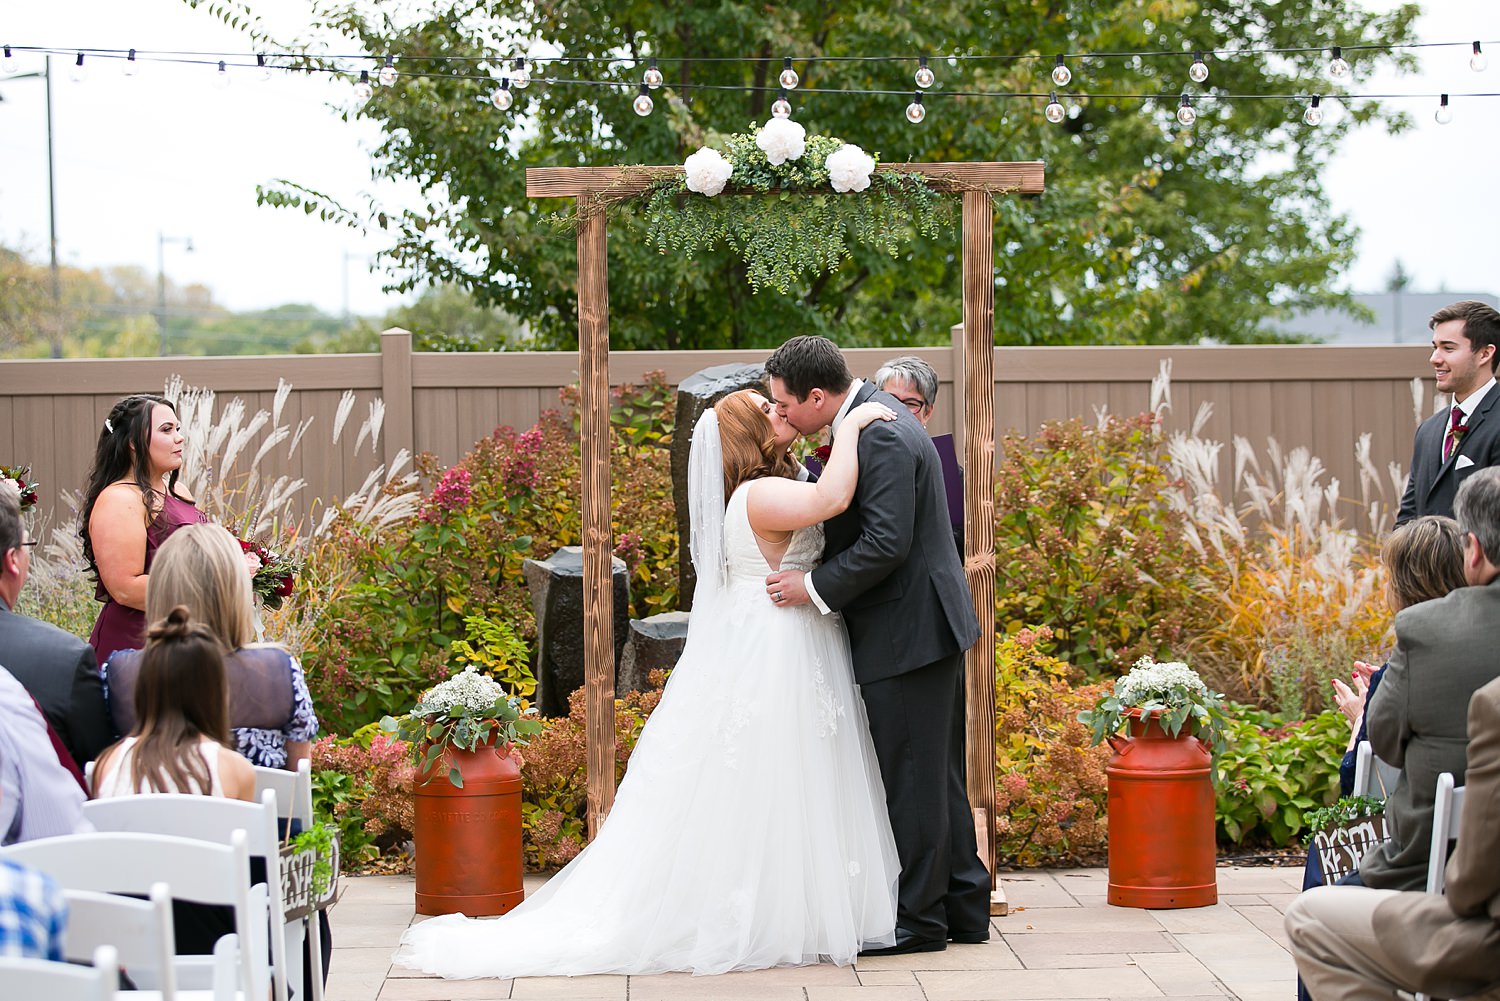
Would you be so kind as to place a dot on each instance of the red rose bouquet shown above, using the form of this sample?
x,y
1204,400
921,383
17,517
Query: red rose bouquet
x,y
21,476
277,576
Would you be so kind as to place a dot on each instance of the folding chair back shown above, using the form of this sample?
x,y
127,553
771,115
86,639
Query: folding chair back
x,y
1447,808
1373,777
43,979
294,802
140,931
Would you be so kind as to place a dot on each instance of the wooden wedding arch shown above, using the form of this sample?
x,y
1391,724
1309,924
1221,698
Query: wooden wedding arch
x,y
978,183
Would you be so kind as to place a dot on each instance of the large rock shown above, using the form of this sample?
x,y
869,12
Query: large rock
x,y
696,394
556,585
655,644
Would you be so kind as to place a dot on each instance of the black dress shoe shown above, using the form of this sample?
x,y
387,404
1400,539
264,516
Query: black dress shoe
x,y
970,937
907,944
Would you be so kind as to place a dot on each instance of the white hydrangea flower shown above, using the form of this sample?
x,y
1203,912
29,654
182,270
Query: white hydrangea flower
x,y
781,139
473,691
1149,681
849,168
707,172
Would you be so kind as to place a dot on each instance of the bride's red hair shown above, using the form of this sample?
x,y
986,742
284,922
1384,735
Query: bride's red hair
x,y
749,443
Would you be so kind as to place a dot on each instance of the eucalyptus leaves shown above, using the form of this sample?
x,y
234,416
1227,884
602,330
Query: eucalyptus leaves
x,y
818,195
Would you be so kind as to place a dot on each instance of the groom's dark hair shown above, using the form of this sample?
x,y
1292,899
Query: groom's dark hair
x,y
808,362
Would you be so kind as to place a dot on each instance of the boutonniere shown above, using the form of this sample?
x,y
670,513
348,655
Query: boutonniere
x,y
1457,432
822,452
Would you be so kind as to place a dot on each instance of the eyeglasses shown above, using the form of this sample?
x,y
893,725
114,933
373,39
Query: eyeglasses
x,y
30,542
913,403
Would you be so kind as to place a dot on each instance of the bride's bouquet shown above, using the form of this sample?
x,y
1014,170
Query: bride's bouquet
x,y
276,579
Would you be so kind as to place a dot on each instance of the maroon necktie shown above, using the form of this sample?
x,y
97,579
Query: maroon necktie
x,y
1450,441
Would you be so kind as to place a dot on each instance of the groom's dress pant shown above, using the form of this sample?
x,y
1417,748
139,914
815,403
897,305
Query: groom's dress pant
x,y
917,727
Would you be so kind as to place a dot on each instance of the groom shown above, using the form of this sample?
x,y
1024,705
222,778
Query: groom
x,y
891,569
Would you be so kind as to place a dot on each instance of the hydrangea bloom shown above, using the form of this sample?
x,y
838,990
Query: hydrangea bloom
x,y
781,139
849,168
707,171
1171,683
476,693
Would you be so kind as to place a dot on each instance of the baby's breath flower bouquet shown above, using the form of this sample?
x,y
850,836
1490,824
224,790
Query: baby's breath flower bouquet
x,y
1171,691
465,712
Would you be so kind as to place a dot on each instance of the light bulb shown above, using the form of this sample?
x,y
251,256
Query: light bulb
x,y
362,90
78,73
1478,62
387,73
7,62
1054,111
789,77
914,111
131,67
1185,113
652,77
1337,67
1061,75
263,68
643,103
520,78
1314,114
1198,72
1444,114
221,78
781,107
924,76
503,98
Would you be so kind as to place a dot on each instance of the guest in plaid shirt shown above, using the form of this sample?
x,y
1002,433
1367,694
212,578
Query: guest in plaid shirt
x,y
33,914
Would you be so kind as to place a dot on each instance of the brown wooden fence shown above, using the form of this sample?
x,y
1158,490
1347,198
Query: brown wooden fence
x,y
1316,396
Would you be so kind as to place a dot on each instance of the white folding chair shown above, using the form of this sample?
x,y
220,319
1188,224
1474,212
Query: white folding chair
x,y
293,791
27,979
140,931
1447,808
114,862
212,819
1372,776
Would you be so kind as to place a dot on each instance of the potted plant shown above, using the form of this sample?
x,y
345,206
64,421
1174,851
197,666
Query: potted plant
x,y
1161,795
467,793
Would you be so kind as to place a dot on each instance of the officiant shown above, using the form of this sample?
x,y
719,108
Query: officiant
x,y
915,383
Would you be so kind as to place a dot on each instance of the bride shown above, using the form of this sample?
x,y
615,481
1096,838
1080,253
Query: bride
x,y
750,830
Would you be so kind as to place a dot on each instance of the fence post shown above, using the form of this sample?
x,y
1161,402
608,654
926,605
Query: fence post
x,y
396,390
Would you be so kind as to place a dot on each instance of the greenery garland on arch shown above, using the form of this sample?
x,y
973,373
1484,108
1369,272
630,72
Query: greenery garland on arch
x,y
806,215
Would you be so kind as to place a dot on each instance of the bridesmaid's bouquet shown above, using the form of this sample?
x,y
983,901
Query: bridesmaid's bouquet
x,y
274,582
20,476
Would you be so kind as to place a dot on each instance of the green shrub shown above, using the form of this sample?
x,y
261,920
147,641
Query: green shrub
x,y
1276,773
363,786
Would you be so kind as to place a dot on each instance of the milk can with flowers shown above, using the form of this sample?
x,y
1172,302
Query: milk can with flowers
x,y
467,794
1161,791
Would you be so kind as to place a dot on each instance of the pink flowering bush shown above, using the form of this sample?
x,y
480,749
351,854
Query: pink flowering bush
x,y
363,784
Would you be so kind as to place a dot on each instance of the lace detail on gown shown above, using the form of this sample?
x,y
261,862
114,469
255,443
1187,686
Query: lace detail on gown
x,y
750,830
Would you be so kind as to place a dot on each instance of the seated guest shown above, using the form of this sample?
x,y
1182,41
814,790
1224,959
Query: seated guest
x,y
38,796
270,712
1445,652
1353,943
57,668
33,913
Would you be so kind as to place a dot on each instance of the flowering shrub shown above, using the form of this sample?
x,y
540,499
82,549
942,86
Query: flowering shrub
x,y
363,784
1050,791
1277,772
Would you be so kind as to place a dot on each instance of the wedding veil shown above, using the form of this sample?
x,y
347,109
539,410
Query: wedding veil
x,y
706,510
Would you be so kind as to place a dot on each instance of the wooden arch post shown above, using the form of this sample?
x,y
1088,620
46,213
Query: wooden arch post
x,y
978,183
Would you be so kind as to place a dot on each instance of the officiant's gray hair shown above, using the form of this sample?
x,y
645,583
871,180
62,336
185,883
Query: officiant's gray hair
x,y
914,370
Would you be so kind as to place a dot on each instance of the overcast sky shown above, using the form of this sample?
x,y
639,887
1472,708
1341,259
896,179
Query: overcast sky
x,y
169,153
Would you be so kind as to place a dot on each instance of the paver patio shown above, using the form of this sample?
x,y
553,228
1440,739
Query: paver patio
x,y
1060,941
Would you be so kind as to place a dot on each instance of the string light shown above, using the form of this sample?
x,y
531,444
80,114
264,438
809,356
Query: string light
x,y
1054,111
221,78
1185,113
131,67
362,90
520,77
78,73
1478,62
1198,72
789,78
924,75
387,72
1061,75
652,77
643,103
7,62
1314,114
1337,67
502,98
915,112
781,107
263,68
1444,114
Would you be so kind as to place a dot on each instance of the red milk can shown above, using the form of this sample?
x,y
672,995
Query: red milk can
x,y
1161,819
468,838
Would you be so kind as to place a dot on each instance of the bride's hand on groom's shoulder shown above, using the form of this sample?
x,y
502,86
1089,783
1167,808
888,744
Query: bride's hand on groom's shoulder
x,y
868,413
786,588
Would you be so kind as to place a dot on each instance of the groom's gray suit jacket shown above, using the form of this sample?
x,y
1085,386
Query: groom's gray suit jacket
x,y
889,563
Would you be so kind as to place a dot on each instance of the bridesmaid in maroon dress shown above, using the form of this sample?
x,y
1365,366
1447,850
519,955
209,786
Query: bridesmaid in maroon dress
x,y
133,503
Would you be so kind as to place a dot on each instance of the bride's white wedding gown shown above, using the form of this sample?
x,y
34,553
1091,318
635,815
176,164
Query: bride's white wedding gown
x,y
750,830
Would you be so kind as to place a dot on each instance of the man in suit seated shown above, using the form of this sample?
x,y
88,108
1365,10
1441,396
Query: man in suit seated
x,y
57,668
1464,437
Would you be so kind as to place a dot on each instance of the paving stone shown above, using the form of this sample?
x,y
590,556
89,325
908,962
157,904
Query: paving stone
x,y
1074,919
602,987
1036,984
1083,944
351,986
363,960
1270,921
886,978
1190,920
991,955
907,992
1244,962
363,936
1177,974
1034,890
1280,901
1259,879
445,990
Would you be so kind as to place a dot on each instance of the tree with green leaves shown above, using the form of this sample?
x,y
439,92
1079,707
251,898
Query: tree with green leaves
x,y
1149,231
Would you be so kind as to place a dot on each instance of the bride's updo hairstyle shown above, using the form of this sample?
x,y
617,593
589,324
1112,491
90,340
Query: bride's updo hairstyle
x,y
749,443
